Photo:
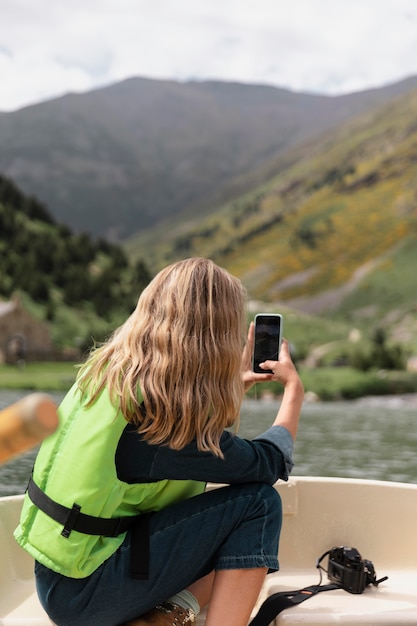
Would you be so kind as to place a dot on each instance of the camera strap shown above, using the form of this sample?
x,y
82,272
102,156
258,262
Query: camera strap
x,y
282,600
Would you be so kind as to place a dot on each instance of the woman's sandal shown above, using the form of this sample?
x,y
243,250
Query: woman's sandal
x,y
165,614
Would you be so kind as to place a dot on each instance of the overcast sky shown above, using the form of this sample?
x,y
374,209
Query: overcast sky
x,y
52,47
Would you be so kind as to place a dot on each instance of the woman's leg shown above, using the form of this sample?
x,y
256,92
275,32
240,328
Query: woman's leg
x,y
202,589
234,595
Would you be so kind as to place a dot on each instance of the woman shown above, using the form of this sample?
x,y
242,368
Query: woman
x,y
141,431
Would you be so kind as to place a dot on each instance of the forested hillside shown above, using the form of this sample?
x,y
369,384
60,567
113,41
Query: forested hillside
x,y
64,276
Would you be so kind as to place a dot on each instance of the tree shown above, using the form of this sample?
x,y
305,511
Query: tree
x,y
141,277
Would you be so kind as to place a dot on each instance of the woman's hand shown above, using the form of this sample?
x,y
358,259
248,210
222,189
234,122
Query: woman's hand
x,y
283,370
249,376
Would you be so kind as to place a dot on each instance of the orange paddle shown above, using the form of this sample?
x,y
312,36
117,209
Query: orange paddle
x,y
26,423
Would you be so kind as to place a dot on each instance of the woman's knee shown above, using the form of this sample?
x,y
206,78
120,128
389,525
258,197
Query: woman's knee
x,y
265,500
272,499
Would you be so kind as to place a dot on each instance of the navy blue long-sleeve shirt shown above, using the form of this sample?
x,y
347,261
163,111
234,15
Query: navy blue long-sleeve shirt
x,y
266,458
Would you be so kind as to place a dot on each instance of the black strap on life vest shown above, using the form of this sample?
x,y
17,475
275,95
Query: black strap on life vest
x,y
282,600
72,519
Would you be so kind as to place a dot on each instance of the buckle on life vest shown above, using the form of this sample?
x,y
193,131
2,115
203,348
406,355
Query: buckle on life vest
x,y
71,520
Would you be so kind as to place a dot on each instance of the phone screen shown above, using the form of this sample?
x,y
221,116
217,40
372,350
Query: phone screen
x,y
268,332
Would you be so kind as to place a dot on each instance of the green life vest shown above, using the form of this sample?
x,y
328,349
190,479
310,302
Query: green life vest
x,y
77,464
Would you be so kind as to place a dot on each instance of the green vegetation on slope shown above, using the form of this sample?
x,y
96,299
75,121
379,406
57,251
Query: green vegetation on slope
x,y
333,234
81,287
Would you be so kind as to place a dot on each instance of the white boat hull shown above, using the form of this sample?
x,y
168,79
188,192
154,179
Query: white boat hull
x,y
377,518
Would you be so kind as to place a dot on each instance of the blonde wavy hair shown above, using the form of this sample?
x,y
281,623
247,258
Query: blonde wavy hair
x,y
181,348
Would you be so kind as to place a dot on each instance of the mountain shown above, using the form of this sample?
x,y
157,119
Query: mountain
x,y
122,159
333,233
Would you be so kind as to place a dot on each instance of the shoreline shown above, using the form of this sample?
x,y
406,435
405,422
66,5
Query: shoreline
x,y
391,400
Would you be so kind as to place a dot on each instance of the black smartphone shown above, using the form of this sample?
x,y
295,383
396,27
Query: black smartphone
x,y
268,335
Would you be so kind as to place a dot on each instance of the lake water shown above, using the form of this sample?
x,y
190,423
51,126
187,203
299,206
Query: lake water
x,y
374,438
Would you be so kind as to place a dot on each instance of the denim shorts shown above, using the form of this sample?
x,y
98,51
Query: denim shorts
x,y
233,527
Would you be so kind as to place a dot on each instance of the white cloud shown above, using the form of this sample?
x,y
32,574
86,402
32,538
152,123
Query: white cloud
x,y
330,46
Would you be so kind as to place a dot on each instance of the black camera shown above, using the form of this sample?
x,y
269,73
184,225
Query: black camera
x,y
347,569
